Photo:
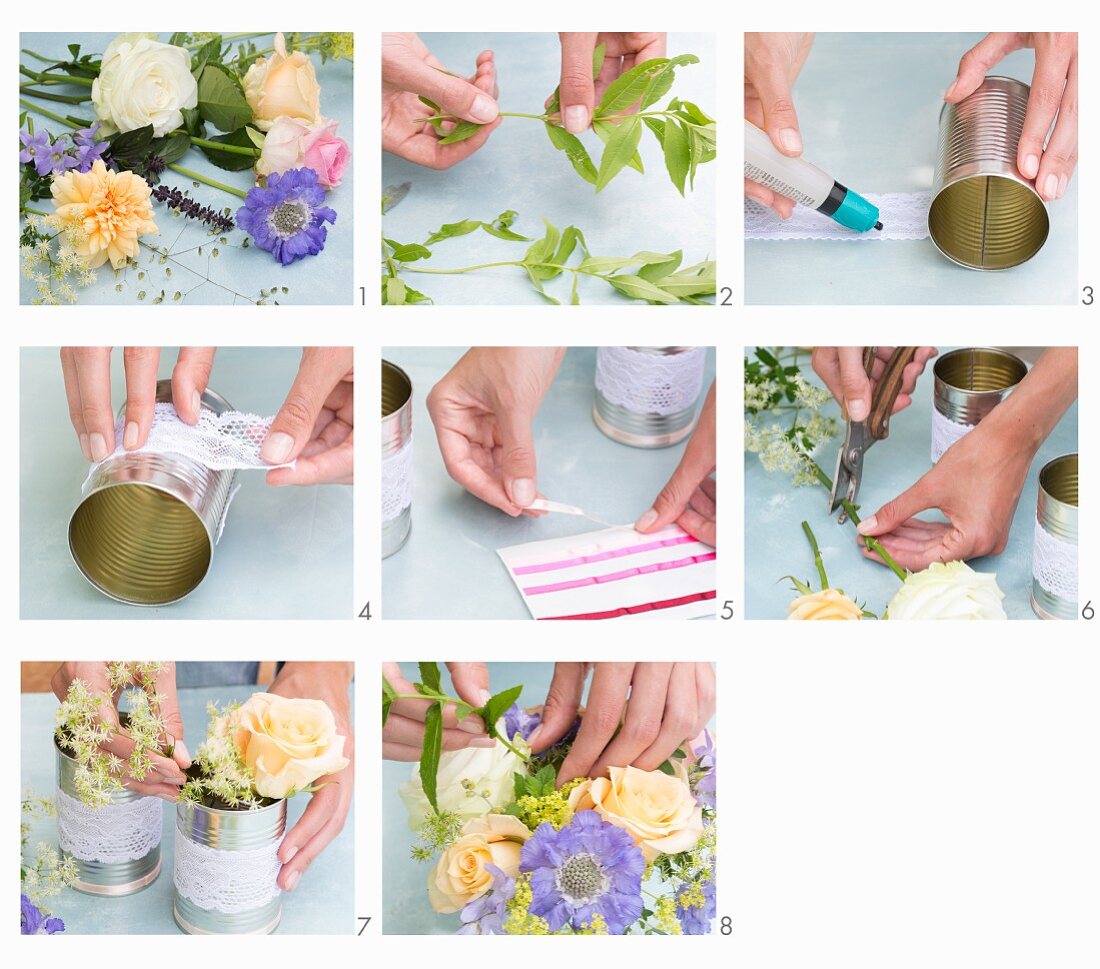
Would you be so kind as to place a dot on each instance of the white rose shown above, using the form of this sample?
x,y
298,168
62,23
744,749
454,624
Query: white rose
x,y
951,591
471,782
142,82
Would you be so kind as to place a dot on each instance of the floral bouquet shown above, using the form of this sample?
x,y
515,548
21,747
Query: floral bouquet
x,y
514,853
139,109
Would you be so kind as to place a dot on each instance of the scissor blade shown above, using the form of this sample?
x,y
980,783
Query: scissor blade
x,y
840,481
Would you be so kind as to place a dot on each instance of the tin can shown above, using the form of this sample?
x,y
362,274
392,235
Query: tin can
x,y
397,457
646,396
145,529
116,847
1054,553
985,214
968,384
225,869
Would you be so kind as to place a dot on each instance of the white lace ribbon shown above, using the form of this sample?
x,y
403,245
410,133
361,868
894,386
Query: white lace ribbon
x,y
945,432
225,881
904,216
1054,564
116,832
397,481
650,383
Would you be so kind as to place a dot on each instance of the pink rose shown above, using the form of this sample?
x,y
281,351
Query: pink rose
x,y
295,143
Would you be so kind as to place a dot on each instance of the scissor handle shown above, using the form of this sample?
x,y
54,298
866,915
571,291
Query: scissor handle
x,y
887,390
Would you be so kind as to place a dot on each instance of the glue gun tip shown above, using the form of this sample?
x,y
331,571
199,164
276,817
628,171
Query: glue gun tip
x,y
878,225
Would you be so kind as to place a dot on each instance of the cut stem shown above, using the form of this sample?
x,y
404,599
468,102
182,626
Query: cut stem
x,y
818,561
219,146
188,173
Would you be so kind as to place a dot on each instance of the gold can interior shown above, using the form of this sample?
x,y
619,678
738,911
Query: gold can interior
x,y
139,544
396,388
980,370
988,222
1059,479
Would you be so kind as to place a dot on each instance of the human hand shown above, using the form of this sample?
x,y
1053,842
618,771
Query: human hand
x,y
410,70
167,776
324,816
691,496
841,369
579,91
403,734
657,705
772,63
315,424
87,373
1053,93
482,411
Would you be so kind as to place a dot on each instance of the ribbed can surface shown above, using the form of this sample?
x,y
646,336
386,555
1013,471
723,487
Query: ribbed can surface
x,y
116,878
985,214
629,419
145,530
971,381
230,832
1056,515
397,404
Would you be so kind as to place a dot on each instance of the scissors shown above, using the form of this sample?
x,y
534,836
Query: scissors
x,y
861,435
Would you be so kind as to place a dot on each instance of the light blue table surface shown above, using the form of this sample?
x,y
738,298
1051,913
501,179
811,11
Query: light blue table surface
x,y
321,904
324,278
868,106
774,510
519,169
405,906
449,569
276,540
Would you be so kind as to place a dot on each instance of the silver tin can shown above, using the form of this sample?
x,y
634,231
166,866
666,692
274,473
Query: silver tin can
x,y
397,457
224,862
145,529
125,826
967,384
984,213
646,396
1054,554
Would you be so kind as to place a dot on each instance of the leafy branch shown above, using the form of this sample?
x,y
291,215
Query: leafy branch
x,y
687,135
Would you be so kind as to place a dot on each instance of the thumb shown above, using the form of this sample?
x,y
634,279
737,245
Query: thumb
x,y
321,369
518,458
780,120
454,95
563,700
898,511
189,379
471,682
694,466
173,719
577,92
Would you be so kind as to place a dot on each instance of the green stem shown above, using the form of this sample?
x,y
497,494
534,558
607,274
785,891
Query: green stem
x,y
491,265
818,561
226,38
36,212
450,699
188,173
47,96
218,146
38,109
54,78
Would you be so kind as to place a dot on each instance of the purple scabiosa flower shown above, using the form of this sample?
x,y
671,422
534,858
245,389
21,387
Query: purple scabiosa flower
x,y
36,150
585,869
694,918
33,921
485,915
706,785
287,216
518,720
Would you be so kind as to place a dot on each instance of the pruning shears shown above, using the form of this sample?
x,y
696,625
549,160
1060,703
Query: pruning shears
x,y
859,436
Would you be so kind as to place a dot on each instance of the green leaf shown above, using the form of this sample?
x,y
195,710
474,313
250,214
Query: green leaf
x,y
462,130
171,148
574,151
221,102
620,148
429,757
231,161
192,122
638,288
692,111
542,251
698,280
666,768
497,705
395,291
574,298
387,689
643,85
210,52
662,265
131,147
451,230
677,154
408,252
605,129
501,227
386,704
430,677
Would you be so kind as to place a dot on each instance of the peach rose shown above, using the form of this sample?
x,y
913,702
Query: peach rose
x,y
282,85
293,143
288,743
460,875
656,809
826,604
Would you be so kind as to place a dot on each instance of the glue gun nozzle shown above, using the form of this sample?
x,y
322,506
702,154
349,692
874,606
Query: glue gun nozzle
x,y
878,225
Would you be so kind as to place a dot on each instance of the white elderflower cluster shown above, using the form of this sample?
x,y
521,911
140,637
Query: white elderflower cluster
x,y
223,774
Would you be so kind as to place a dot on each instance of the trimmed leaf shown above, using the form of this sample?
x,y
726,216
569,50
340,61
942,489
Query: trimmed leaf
x,y
462,130
677,154
429,757
621,147
497,705
408,252
451,230
429,676
221,102
638,288
543,251
574,151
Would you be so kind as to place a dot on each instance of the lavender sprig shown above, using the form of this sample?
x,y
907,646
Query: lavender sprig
x,y
176,199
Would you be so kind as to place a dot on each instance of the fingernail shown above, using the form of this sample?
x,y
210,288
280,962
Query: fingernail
x,y
277,447
483,742
182,752
98,447
646,520
534,736
867,526
576,119
484,696
84,449
1050,186
948,92
1063,182
196,405
292,880
791,139
484,109
857,409
469,726
290,855
523,491
1031,166
130,438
